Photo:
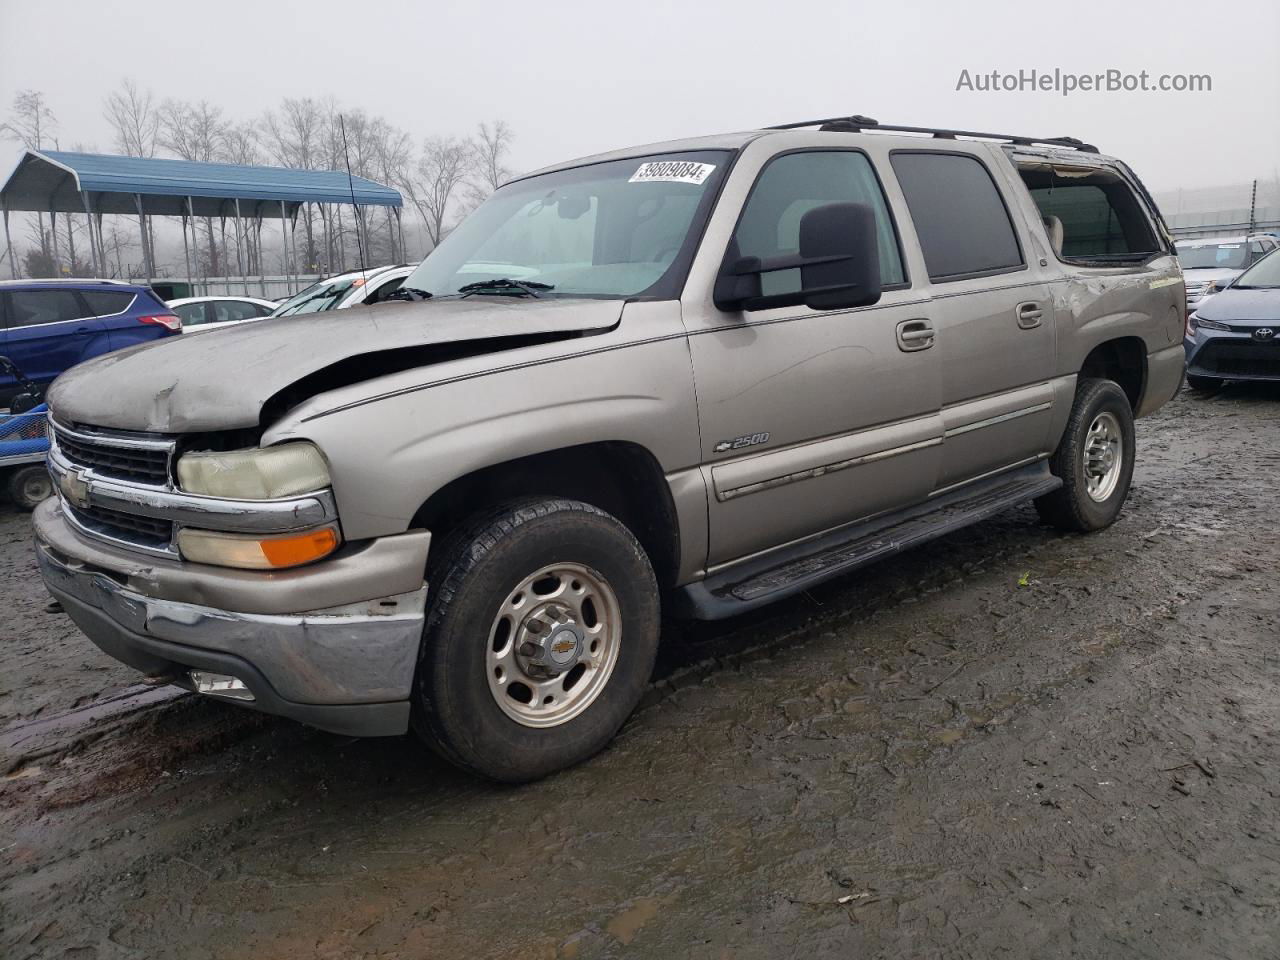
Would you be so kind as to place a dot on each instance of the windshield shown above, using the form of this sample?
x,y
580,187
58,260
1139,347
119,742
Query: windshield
x,y
1225,255
616,229
1263,275
318,297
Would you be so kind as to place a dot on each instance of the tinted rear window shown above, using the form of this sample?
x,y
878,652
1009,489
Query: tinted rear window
x,y
105,302
960,218
32,308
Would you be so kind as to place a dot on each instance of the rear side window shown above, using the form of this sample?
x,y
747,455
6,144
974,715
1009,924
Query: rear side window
x,y
33,308
191,314
959,215
106,302
1090,214
792,185
228,310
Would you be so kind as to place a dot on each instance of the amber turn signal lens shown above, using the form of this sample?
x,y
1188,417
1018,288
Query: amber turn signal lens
x,y
257,553
295,551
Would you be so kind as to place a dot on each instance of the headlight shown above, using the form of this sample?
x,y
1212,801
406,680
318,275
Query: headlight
x,y
1196,322
265,473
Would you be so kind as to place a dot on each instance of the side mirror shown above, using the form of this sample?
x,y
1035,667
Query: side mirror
x,y
839,265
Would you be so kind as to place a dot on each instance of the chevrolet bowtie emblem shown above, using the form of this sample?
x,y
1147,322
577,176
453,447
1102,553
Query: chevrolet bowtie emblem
x,y
75,489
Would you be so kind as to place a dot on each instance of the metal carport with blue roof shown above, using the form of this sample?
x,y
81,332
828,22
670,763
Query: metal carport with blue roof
x,y
55,181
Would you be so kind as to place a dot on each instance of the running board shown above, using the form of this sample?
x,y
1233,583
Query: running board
x,y
782,573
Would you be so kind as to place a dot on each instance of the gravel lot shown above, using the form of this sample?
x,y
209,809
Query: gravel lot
x,y
1010,743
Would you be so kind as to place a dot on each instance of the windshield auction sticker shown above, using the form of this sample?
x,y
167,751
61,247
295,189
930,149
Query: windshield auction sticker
x,y
672,171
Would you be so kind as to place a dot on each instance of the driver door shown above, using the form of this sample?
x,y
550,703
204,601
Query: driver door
x,y
811,419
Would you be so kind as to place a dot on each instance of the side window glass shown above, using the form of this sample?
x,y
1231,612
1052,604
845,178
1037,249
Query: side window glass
x,y
1095,213
191,314
959,215
107,302
227,310
31,308
792,185
390,287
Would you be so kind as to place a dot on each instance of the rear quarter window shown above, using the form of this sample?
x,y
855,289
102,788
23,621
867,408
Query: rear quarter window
x,y
960,217
106,302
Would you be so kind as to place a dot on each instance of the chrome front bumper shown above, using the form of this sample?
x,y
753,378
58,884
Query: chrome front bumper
x,y
348,668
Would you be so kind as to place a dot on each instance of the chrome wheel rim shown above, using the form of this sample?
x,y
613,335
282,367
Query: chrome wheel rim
x,y
553,645
1103,456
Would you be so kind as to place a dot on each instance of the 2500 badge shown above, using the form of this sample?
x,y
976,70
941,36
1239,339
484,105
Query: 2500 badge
x,y
737,443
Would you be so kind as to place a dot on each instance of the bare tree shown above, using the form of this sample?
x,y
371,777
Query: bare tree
x,y
134,119
241,145
442,168
490,149
197,132
31,123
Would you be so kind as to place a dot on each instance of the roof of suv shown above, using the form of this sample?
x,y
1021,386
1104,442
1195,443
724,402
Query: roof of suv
x,y
75,281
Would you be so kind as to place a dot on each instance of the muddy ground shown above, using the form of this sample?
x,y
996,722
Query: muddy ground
x,y
1012,743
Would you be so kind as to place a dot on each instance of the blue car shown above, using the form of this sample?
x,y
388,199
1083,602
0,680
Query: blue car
x,y
48,326
1235,334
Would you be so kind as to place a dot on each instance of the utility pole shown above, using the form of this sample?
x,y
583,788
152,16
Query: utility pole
x,y
1253,206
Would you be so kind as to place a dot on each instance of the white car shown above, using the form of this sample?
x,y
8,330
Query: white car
x,y
346,290
206,313
1210,263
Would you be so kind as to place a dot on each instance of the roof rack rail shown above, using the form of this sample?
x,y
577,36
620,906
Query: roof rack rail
x,y
858,123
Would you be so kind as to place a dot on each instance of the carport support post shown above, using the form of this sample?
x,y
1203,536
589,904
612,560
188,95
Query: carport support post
x,y
195,245
239,252
94,245
8,242
404,254
147,263
186,256
53,228
284,240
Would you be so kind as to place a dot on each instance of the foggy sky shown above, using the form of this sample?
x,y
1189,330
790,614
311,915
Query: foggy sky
x,y
574,78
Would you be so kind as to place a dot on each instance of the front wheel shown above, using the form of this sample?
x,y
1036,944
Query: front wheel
x,y
540,639
1094,459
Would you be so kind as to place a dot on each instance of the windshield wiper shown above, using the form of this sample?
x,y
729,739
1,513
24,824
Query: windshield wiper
x,y
515,287
407,293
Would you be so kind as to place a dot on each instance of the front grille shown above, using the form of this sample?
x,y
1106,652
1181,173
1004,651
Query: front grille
x,y
1240,358
144,531
138,465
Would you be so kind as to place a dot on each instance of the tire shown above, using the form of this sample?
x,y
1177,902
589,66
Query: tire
x,y
1204,384
29,486
1073,506
489,728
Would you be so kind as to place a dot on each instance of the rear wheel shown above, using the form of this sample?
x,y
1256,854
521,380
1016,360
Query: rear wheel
x,y
1205,384
539,642
28,486
1094,459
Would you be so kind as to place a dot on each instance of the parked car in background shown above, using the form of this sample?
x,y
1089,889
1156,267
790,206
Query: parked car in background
x,y
48,326
1208,264
353,289
1235,335
206,313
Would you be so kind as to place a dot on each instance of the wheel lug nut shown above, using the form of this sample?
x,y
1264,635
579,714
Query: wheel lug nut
x,y
528,649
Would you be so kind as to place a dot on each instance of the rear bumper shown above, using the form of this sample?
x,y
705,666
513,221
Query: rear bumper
x,y
348,668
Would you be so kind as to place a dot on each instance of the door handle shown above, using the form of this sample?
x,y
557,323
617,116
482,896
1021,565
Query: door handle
x,y
915,335
1029,315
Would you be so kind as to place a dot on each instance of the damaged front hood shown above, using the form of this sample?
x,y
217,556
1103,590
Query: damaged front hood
x,y
220,379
